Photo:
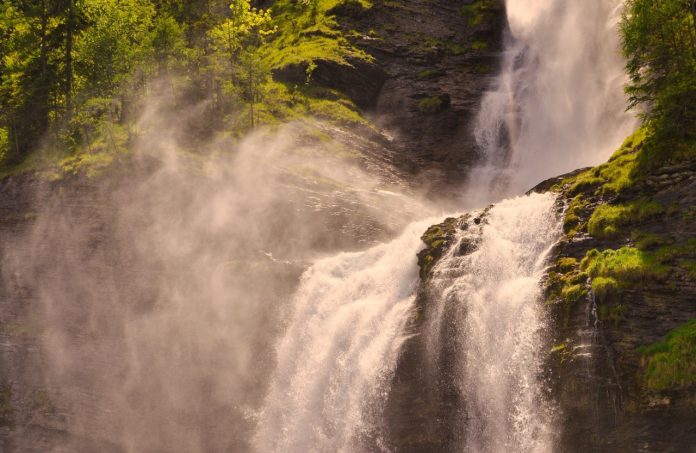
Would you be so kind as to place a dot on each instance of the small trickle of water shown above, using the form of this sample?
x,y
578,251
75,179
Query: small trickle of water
x,y
501,324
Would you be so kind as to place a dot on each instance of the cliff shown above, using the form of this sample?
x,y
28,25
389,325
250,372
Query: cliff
x,y
622,289
620,292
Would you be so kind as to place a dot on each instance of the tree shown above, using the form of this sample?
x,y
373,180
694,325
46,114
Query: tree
x,y
659,42
168,41
29,81
118,41
237,39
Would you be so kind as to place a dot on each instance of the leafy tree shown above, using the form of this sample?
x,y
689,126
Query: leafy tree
x,y
169,42
237,39
659,42
30,78
118,41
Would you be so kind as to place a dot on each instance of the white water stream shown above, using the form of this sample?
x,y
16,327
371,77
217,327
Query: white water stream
x,y
557,105
340,349
558,102
500,324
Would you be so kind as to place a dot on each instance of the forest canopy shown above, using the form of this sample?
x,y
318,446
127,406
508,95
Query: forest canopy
x,y
73,72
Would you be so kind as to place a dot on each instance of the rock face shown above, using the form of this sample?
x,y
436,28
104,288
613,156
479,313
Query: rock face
x,y
621,300
603,386
424,412
437,57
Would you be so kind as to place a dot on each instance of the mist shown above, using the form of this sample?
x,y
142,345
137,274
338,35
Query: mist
x,y
156,292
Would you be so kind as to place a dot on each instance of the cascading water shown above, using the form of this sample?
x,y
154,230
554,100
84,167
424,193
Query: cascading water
x,y
558,102
340,349
557,105
495,290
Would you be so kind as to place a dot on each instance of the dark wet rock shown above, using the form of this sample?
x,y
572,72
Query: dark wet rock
x,y
361,81
439,59
437,239
548,184
598,372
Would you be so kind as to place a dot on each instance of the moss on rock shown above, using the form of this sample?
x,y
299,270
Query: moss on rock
x,y
437,238
671,363
6,409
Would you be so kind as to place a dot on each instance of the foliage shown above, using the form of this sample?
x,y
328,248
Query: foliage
x,y
477,11
73,73
573,293
567,264
659,42
604,286
671,363
237,40
119,40
571,221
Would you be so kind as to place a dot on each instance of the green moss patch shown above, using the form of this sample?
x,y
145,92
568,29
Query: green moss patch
x,y
613,177
626,265
571,221
607,221
436,239
614,314
567,264
671,363
477,11
432,104
567,284
6,409
604,286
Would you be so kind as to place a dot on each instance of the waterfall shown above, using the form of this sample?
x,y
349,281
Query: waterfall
x,y
340,349
556,105
341,346
558,101
493,294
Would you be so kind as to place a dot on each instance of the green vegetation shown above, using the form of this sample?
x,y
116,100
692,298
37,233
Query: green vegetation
x,y
567,283
74,75
626,265
671,363
567,264
621,172
659,42
613,270
477,11
573,293
607,220
479,45
571,222
604,286
649,241
309,32
6,409
614,314
431,104
435,239
428,74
